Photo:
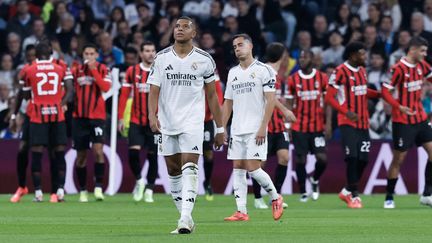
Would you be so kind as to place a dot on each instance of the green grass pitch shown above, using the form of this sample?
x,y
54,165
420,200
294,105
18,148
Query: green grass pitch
x,y
119,219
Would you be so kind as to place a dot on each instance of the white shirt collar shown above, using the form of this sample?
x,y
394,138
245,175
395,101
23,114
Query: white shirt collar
x,y
406,63
307,76
44,61
144,68
351,67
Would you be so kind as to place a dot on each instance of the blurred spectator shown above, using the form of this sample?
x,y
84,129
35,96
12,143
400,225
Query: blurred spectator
x,y
374,14
289,9
7,72
230,9
386,34
55,16
427,16
173,10
371,40
137,40
215,22
131,11
249,24
116,16
21,23
14,48
96,28
357,6
108,54
392,8
84,23
66,31
72,57
341,22
377,72
147,22
334,53
417,29
355,29
197,8
38,33
268,13
403,39
208,44
102,8
123,37
5,94
304,42
288,66
319,33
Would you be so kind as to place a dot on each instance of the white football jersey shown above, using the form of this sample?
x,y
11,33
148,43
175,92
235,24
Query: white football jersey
x,y
246,89
181,81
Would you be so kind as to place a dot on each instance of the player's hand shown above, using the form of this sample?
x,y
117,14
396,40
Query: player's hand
x,y
406,110
13,125
219,140
352,116
154,124
261,136
91,64
121,125
289,115
328,132
64,108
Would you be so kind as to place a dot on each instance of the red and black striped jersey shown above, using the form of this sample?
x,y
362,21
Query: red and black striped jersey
x,y
407,81
219,93
308,92
89,85
135,81
350,86
45,81
277,122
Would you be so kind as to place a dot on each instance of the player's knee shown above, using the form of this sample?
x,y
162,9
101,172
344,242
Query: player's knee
x,y
80,160
174,170
208,155
36,166
98,153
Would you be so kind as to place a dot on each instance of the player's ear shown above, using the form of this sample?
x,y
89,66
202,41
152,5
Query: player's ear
x,y
194,33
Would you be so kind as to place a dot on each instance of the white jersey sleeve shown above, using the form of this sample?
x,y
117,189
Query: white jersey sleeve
x,y
155,73
269,80
209,74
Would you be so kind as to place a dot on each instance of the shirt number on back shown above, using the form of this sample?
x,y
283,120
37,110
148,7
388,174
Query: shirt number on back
x,y
51,78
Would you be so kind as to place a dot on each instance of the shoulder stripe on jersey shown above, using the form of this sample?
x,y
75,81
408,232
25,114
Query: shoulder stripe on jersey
x,y
206,55
166,50
267,67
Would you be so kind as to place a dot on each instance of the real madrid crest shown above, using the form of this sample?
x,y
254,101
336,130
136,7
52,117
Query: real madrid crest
x,y
252,76
194,66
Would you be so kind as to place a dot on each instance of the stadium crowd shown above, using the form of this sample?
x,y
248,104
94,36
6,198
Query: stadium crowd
x,y
119,27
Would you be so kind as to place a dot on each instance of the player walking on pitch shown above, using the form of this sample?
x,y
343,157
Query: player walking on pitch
x,y
250,97
178,78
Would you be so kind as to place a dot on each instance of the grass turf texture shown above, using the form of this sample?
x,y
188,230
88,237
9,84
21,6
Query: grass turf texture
x,y
120,219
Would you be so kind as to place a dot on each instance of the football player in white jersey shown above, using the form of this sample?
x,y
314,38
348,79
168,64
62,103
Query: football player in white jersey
x,y
250,96
179,76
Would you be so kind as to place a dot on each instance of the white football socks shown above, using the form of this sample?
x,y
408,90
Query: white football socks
x,y
190,188
265,182
176,190
240,189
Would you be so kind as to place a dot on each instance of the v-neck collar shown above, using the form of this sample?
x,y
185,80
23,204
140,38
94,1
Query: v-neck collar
x,y
182,58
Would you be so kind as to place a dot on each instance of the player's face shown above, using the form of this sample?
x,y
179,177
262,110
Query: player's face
x,y
242,48
30,55
361,57
90,54
420,53
148,54
305,59
184,31
131,58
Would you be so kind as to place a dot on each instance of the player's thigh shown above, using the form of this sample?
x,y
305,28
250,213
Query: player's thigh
x,y
80,134
236,148
97,131
58,134
318,143
301,143
150,140
424,137
191,142
350,142
168,145
253,150
404,136
208,136
364,144
39,134
135,135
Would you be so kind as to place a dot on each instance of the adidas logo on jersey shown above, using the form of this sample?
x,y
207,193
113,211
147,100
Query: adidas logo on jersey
x,y
195,148
256,155
235,79
169,68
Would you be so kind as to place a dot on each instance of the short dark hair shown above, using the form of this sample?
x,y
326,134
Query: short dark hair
x,y
90,45
274,52
143,5
352,48
417,41
131,50
243,35
43,50
147,43
188,19
30,47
